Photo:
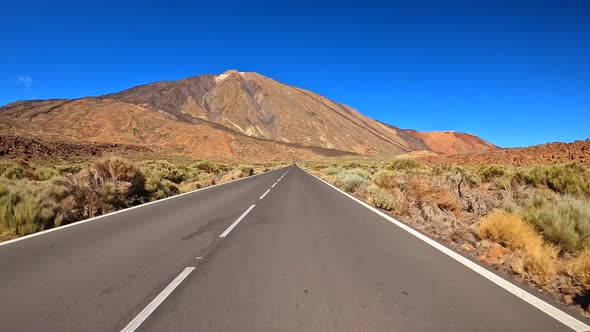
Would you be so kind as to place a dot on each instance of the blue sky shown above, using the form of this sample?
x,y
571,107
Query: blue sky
x,y
514,72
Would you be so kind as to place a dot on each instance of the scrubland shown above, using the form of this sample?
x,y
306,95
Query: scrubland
x,y
36,197
532,222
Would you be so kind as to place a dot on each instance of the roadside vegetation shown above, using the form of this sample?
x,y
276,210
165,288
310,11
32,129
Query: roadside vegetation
x,y
532,222
36,197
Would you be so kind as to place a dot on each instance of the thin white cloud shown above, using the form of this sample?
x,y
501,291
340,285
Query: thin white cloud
x,y
25,80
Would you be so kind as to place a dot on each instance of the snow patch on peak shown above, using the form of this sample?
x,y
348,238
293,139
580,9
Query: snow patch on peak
x,y
221,77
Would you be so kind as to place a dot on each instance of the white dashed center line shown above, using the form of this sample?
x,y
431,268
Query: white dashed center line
x,y
224,234
147,311
151,307
266,192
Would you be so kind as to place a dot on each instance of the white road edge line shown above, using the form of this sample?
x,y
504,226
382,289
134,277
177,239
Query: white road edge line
x,y
536,302
120,211
266,192
147,311
224,234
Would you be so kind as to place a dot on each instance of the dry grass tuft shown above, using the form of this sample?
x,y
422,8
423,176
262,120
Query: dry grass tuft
x,y
387,180
512,231
581,268
508,229
423,192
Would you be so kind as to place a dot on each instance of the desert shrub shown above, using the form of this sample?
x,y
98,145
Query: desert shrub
x,y
380,198
361,192
45,173
402,164
190,186
168,170
565,222
508,229
491,172
159,187
34,198
360,172
351,165
69,169
107,185
246,170
224,167
462,177
27,206
386,179
207,166
440,169
232,175
511,230
349,180
539,263
572,179
12,170
112,170
331,170
581,268
421,191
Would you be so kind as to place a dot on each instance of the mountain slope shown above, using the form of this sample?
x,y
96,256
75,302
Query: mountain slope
x,y
450,142
257,106
203,113
114,122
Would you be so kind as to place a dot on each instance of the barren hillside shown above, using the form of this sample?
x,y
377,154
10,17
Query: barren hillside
x,y
231,115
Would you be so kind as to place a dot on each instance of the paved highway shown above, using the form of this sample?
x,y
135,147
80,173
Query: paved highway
x,y
281,251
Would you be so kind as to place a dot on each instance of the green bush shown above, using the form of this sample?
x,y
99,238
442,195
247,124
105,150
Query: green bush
x,y
331,170
159,187
461,177
491,172
27,206
70,169
45,173
565,222
360,172
349,181
12,170
207,166
402,164
168,170
246,170
381,198
572,179
351,165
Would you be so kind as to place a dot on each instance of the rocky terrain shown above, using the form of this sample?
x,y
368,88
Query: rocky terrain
x,y
550,153
14,147
234,115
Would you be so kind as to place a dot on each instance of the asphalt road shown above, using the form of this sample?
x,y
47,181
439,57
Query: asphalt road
x,y
238,257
